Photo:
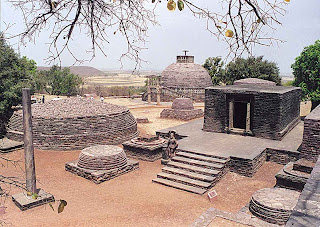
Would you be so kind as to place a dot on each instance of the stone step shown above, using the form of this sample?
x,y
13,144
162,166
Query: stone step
x,y
177,185
190,161
188,174
202,154
201,157
185,180
303,165
192,168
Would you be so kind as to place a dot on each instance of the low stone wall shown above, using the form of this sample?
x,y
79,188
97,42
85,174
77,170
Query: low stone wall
x,y
311,136
247,167
282,157
306,212
184,115
100,176
76,133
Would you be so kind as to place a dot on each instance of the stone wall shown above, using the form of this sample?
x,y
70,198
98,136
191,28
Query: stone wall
x,y
196,94
306,212
273,113
76,133
282,156
311,136
247,167
215,114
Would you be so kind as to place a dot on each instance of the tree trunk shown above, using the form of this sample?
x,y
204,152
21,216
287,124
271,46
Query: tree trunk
x,y
314,104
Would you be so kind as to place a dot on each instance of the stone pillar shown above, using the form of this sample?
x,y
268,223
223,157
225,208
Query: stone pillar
x,y
28,142
231,110
158,91
149,90
248,117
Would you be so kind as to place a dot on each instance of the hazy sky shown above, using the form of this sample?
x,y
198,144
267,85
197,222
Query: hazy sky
x,y
179,31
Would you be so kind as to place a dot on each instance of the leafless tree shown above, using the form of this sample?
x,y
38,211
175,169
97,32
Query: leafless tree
x,y
249,20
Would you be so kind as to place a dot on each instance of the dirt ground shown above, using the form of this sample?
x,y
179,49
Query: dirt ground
x,y
131,199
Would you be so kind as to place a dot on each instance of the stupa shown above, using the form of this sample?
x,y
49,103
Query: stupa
x,y
101,163
75,123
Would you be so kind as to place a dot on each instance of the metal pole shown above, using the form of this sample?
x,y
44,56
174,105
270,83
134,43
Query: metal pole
x,y
28,141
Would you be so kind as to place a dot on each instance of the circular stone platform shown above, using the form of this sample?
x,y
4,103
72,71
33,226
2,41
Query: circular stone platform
x,y
273,205
181,109
75,123
102,157
182,104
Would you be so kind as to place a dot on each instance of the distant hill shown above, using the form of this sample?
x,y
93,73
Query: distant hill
x,y
83,71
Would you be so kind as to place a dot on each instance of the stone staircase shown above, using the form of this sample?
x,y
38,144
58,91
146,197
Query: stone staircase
x,y
193,172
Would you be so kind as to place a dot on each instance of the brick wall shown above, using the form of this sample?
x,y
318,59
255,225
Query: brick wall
x,y
311,136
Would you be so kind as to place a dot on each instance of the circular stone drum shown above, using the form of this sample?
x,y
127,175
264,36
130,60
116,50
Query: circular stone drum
x,y
182,104
102,157
75,123
273,205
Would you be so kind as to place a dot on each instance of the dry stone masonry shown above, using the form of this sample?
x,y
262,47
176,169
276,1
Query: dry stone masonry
x,y
101,163
311,136
273,205
182,109
145,148
75,123
251,109
183,79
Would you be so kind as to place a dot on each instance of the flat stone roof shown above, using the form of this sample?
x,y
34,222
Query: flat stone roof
x,y
252,88
229,145
315,114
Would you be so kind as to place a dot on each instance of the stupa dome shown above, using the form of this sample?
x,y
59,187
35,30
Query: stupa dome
x,y
185,74
75,123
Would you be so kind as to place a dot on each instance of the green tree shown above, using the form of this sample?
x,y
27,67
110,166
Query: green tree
x,y
58,81
252,67
306,71
15,73
215,68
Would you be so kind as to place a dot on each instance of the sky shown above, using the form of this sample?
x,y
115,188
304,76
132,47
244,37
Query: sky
x,y
181,31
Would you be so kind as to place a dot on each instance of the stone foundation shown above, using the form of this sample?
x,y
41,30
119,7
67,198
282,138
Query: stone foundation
x,y
247,167
76,130
99,176
282,157
184,115
311,136
147,149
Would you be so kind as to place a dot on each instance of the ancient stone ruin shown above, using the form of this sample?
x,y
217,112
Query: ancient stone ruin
x,y
182,109
75,123
252,108
147,148
101,163
311,136
182,79
273,205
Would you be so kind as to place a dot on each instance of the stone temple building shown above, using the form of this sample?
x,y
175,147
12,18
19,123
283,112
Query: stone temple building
x,y
75,123
183,79
252,107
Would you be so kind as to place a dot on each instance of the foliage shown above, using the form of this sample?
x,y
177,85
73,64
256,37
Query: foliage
x,y
57,81
288,83
15,73
114,90
252,67
215,67
306,71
